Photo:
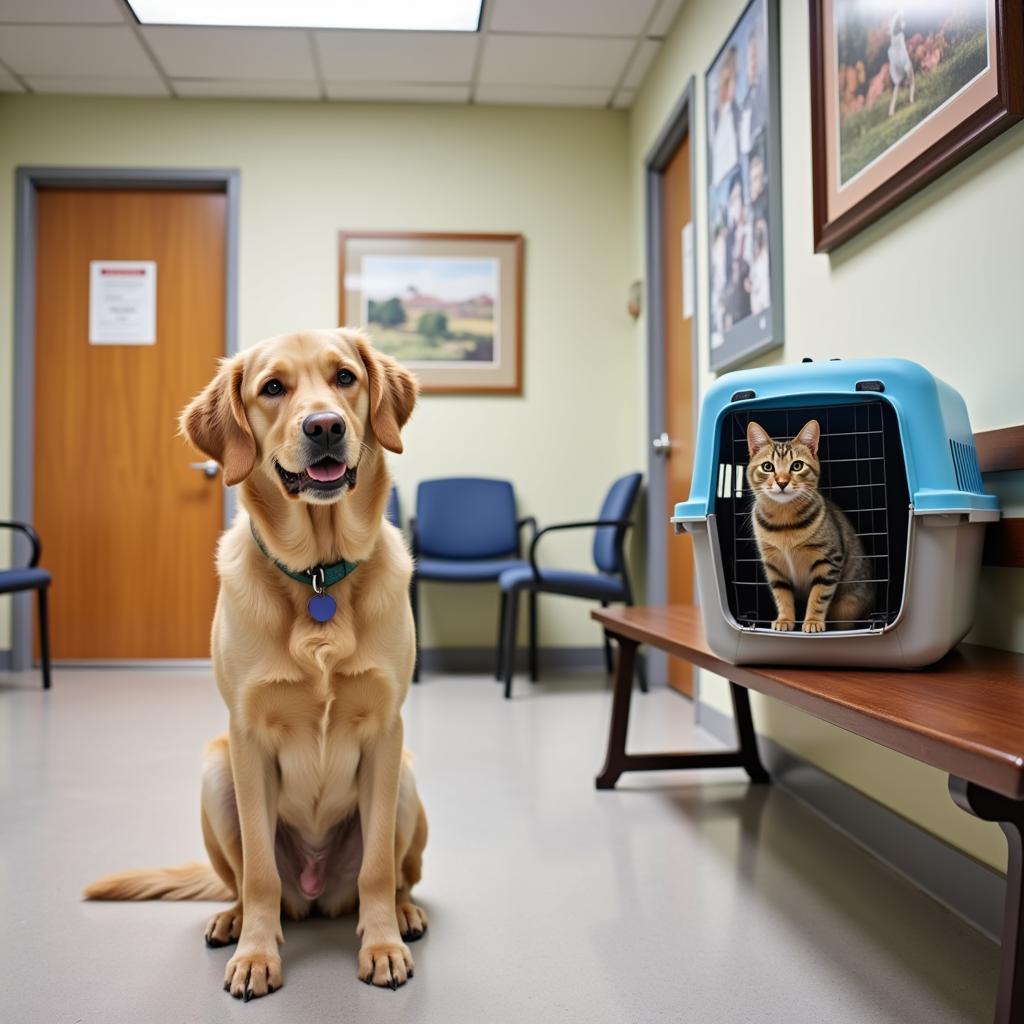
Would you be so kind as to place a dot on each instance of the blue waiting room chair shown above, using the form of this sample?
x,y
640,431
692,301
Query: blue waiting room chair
x,y
610,583
393,511
465,531
14,581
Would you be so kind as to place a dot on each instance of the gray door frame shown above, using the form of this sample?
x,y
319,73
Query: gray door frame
x,y
28,182
676,129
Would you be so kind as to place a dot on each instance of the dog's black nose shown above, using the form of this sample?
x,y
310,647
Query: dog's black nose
x,y
324,428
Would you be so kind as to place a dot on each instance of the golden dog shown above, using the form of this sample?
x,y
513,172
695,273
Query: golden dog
x,y
308,801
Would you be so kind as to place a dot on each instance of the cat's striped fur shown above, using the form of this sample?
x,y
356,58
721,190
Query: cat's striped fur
x,y
810,550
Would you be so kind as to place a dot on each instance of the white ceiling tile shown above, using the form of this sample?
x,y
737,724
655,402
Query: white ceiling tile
x,y
397,56
553,60
579,17
404,93
99,86
664,17
254,54
624,99
542,96
87,51
55,11
239,88
641,63
8,83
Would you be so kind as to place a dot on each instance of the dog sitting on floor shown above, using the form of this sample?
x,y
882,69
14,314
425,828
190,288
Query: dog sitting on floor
x,y
309,801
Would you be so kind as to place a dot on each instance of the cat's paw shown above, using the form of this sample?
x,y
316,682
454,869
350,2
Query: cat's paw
x,y
783,625
814,625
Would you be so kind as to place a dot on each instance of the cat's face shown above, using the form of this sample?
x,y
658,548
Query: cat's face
x,y
783,471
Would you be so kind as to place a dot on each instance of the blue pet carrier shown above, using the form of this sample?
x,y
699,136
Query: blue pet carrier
x,y
897,455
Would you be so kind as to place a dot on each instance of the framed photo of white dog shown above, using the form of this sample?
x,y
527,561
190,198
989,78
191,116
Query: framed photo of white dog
x,y
900,93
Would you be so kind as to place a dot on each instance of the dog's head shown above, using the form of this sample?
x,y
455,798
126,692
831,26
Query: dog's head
x,y
304,409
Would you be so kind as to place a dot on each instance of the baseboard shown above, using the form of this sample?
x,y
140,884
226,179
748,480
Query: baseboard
x,y
972,891
482,659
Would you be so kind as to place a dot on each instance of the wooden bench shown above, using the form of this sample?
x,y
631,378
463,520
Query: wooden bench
x,y
963,715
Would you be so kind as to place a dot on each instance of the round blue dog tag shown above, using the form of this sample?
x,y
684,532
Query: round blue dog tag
x,y
322,607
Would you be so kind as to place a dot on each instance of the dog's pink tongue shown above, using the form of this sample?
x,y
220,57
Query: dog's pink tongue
x,y
327,470
310,881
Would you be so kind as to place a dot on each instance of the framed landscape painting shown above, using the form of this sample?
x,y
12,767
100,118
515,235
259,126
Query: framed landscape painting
x,y
447,306
744,196
900,92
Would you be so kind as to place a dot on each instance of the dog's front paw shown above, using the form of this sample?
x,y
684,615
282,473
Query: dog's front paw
x,y
782,625
814,625
250,975
385,964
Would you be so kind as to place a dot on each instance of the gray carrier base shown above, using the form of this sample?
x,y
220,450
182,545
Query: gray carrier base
x,y
943,566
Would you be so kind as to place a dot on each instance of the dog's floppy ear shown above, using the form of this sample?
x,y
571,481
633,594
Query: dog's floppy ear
x,y
393,391
215,422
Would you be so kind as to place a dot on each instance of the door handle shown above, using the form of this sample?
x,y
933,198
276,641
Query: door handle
x,y
662,445
209,468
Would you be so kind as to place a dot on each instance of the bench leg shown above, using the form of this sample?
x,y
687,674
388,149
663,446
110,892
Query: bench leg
x,y
44,637
1009,814
618,761
746,736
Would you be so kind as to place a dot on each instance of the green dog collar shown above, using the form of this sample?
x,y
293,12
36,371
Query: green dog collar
x,y
319,577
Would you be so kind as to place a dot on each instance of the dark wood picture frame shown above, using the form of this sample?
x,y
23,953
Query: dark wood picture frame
x,y
515,387
983,125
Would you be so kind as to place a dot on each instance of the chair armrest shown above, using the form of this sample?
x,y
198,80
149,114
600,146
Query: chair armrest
x,y
529,521
33,537
582,524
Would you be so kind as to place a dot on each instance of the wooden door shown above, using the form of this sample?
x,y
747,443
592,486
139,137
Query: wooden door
x,y
128,528
679,387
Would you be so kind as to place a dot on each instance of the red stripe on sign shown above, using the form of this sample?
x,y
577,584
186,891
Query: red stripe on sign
x,y
122,273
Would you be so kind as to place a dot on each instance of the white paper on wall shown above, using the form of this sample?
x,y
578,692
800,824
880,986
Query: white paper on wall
x,y
122,302
688,277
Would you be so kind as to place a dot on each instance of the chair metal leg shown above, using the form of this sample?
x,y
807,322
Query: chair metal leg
x,y
511,628
534,674
1009,814
499,661
414,600
44,637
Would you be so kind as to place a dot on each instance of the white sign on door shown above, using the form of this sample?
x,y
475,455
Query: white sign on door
x,y
122,302
688,276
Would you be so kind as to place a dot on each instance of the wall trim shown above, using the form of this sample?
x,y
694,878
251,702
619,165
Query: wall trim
x,y
674,131
28,181
971,890
482,659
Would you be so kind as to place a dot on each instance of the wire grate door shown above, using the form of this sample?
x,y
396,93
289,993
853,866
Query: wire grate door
x,y
862,471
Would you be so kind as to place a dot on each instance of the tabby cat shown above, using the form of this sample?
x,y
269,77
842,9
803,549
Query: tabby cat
x,y
809,548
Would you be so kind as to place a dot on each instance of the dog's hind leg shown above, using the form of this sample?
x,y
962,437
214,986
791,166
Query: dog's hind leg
x,y
222,838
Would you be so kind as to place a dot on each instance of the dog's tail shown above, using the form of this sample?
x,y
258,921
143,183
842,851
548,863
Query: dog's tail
x,y
192,881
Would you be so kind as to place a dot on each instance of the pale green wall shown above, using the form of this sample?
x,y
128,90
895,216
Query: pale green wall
x,y
939,280
559,177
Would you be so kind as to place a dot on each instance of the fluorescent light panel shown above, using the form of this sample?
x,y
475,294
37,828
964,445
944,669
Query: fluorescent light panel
x,y
399,15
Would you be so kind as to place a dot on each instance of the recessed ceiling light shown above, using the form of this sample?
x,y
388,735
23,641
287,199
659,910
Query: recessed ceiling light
x,y
403,15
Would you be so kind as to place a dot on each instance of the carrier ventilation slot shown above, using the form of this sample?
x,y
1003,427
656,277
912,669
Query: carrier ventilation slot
x,y
965,462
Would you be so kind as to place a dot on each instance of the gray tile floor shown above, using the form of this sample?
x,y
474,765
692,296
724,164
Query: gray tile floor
x,y
676,899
